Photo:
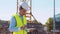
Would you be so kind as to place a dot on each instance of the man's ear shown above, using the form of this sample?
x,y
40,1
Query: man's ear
x,y
20,8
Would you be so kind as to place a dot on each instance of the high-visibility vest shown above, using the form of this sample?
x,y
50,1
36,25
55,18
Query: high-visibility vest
x,y
19,24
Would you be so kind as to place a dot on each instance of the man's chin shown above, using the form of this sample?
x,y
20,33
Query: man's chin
x,y
24,14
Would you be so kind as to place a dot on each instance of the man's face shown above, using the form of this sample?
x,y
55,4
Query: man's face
x,y
23,12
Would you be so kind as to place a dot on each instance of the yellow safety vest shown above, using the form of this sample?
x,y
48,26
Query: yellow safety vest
x,y
19,24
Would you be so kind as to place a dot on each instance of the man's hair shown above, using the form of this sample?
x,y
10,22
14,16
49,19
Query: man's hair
x,y
20,8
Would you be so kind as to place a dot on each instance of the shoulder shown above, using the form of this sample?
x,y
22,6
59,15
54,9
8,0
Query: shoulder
x,y
14,14
13,17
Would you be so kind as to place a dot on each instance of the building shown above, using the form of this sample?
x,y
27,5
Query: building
x,y
57,22
4,27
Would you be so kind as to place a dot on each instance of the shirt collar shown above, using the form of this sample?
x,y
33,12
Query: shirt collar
x,y
20,15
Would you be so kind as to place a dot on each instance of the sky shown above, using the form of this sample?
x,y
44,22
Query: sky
x,y
41,9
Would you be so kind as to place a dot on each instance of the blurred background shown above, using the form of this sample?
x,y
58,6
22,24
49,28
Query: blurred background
x,y
42,10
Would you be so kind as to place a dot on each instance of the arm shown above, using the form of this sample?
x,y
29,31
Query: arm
x,y
12,27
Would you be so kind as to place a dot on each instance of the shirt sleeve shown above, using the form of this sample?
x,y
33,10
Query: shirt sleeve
x,y
12,27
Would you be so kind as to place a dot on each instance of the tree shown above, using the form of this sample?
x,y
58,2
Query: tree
x,y
49,24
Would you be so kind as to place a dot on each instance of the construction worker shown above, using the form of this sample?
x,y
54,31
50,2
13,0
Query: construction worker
x,y
18,22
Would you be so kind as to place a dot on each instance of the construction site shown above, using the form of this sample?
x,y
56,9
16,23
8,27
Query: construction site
x,y
33,23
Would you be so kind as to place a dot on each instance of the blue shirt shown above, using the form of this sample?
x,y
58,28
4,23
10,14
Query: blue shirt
x,y
12,27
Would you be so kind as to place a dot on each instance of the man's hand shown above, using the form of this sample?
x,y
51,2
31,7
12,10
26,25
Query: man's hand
x,y
23,27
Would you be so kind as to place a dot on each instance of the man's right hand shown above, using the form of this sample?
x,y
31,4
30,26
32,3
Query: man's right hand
x,y
23,27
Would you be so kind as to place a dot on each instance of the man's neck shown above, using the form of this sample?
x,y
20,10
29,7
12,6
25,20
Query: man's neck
x,y
20,14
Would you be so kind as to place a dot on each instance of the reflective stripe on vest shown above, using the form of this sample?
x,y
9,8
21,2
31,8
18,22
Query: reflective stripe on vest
x,y
19,24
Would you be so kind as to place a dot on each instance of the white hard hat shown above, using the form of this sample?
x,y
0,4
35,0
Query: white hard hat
x,y
25,6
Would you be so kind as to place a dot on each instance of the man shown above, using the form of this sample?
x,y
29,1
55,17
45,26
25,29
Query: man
x,y
18,22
